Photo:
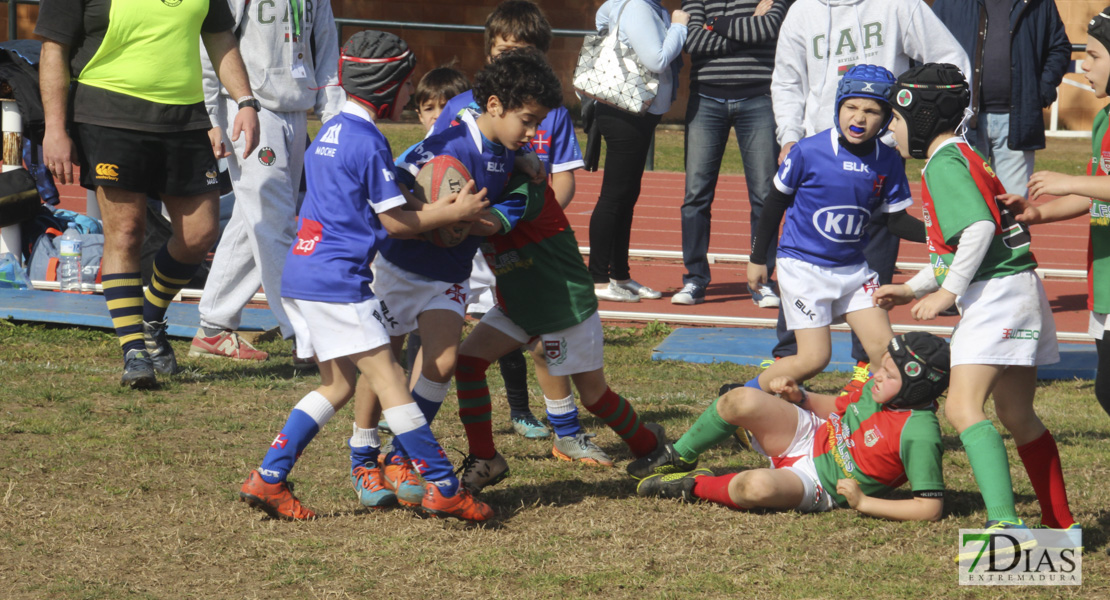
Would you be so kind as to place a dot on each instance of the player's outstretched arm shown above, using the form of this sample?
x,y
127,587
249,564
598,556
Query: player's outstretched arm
x,y
1060,209
467,205
890,295
788,389
911,509
1059,184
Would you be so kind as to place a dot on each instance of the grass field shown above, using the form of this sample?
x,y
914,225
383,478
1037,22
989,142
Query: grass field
x,y
107,493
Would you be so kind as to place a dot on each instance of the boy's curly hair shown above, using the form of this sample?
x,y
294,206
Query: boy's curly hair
x,y
441,83
519,20
517,77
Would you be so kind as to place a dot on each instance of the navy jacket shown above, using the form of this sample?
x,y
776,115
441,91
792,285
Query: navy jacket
x,y
1039,56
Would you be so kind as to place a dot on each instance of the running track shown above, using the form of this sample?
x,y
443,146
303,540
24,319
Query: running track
x,y
656,229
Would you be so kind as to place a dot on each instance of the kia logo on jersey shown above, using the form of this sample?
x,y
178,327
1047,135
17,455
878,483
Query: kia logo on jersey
x,y
841,224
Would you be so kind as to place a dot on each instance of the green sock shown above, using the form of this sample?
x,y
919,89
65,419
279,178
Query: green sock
x,y
708,431
987,456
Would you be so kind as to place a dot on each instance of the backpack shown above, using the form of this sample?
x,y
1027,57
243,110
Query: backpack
x,y
43,265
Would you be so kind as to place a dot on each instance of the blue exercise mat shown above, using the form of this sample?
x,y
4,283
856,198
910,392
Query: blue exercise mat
x,y
89,310
752,346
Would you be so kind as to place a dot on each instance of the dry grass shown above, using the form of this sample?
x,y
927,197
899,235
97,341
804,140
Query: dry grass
x,y
109,494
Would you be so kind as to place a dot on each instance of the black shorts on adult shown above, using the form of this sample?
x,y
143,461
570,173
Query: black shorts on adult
x,y
175,164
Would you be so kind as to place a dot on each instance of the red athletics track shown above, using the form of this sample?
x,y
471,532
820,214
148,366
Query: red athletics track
x,y
656,227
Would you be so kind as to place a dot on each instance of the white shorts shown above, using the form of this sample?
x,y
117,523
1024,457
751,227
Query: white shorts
x,y
329,330
798,459
577,349
405,295
1096,325
1005,321
482,282
815,296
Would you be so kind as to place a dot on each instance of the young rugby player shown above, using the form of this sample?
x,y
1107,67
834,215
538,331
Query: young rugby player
x,y
830,186
425,286
825,451
352,203
981,261
1082,195
546,300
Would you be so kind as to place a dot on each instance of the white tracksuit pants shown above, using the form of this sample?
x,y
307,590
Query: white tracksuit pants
x,y
263,224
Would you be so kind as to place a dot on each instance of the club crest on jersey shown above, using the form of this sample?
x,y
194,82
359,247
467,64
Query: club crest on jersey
x,y
267,156
1104,164
871,437
842,224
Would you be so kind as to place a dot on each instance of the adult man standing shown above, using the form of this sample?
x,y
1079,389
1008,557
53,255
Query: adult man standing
x,y
293,66
1019,53
819,41
139,119
732,48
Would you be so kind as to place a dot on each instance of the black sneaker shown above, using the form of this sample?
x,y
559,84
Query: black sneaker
x,y
663,460
679,486
138,371
159,348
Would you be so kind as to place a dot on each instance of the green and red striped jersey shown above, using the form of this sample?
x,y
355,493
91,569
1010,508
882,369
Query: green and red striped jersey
x,y
1098,244
879,447
542,282
959,189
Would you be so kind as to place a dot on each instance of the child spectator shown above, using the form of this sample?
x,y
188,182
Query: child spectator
x,y
544,300
826,452
352,203
1089,194
829,186
521,24
424,286
980,259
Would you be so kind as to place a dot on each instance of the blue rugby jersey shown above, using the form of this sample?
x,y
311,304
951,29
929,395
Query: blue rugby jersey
x,y
489,165
350,176
555,143
835,194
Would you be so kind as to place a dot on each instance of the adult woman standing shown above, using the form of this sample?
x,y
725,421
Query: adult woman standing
x,y
658,40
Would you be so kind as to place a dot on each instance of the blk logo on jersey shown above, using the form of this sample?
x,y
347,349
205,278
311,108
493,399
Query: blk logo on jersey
x,y
495,167
310,234
842,224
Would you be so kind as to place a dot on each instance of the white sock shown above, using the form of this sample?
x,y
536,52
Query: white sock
x,y
404,418
361,438
561,406
430,390
315,405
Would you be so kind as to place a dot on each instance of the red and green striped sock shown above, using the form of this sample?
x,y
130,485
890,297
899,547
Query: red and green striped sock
x,y
619,415
475,406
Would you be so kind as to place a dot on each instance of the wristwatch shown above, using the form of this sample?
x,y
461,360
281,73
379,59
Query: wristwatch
x,y
249,102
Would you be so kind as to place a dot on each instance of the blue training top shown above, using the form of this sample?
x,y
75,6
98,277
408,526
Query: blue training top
x,y
835,193
555,143
489,165
350,176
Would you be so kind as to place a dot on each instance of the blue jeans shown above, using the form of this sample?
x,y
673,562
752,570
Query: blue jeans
x,y
990,138
707,124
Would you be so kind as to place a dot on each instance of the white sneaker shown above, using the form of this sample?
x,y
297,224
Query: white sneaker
x,y
614,293
765,297
635,287
690,294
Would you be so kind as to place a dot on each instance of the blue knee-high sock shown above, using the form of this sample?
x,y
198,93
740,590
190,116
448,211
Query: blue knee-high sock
x,y
306,419
429,396
753,383
563,416
409,425
365,447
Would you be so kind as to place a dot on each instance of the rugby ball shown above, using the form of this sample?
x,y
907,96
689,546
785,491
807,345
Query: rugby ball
x,y
438,178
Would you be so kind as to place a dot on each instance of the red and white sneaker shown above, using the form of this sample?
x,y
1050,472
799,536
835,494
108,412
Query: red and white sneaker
x,y
226,344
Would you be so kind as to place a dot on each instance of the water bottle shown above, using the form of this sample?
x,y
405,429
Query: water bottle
x,y
69,260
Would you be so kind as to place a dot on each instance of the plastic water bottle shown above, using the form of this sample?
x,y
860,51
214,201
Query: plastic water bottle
x,y
69,260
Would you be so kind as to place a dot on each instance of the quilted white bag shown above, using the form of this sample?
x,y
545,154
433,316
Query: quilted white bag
x,y
609,72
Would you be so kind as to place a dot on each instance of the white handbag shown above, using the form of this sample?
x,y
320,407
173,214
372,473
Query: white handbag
x,y
609,72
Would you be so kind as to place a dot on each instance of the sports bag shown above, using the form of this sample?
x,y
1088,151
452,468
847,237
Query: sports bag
x,y
609,72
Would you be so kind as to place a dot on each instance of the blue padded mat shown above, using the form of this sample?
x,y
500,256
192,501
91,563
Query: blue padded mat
x,y
89,310
752,346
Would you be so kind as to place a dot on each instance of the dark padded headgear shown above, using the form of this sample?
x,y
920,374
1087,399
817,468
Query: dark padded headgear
x,y
924,361
865,81
373,66
931,98
1099,28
